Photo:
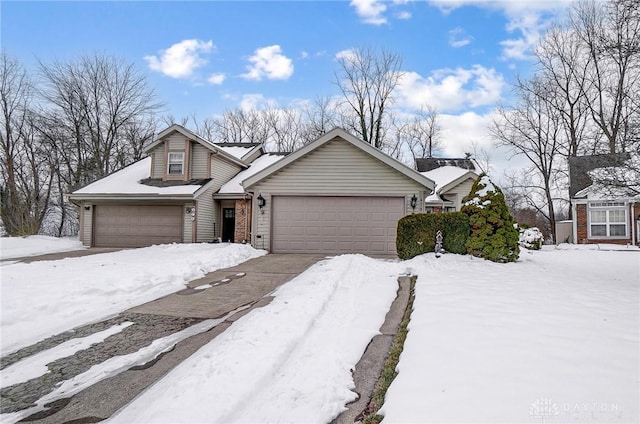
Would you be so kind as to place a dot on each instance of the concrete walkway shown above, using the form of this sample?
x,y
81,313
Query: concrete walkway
x,y
222,291
62,255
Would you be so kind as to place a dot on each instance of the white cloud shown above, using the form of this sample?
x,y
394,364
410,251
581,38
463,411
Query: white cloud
x,y
181,59
370,11
269,62
348,54
404,15
458,38
254,102
527,19
451,89
216,79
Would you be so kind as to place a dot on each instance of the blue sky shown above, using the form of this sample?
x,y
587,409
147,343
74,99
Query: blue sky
x,y
203,57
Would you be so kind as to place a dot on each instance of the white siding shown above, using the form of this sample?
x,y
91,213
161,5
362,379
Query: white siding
x,y
176,141
187,229
87,223
159,163
199,162
207,213
336,168
461,190
222,171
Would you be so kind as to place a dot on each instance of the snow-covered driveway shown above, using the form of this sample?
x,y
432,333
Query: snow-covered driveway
x,y
289,361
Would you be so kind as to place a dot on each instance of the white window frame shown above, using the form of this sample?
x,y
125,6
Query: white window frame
x,y
607,208
176,161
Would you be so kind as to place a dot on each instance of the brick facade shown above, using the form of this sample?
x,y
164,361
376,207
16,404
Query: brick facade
x,y
243,220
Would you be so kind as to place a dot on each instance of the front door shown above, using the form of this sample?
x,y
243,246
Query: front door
x,y
228,224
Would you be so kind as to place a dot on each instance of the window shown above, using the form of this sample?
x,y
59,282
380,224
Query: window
x,y
175,163
608,220
450,209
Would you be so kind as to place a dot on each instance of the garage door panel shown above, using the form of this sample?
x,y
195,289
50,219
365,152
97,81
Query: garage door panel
x,y
136,226
335,224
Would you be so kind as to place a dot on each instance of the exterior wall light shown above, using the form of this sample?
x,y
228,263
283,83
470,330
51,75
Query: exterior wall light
x,y
414,202
261,201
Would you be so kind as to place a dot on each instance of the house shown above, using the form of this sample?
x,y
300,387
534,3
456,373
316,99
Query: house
x,y
454,178
337,194
169,195
603,212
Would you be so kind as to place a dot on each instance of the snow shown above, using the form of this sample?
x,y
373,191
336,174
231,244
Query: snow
x,y
552,337
289,361
445,175
237,152
598,246
127,181
59,295
234,184
19,247
116,365
36,365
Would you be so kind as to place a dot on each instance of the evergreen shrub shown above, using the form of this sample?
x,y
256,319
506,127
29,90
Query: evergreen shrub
x,y
493,234
417,233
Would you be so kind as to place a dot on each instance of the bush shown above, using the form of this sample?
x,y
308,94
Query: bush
x,y
493,235
417,233
530,238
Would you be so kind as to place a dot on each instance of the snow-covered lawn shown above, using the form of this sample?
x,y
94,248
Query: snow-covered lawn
x,y
18,247
41,299
553,338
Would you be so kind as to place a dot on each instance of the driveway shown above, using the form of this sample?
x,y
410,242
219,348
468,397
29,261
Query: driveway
x,y
216,295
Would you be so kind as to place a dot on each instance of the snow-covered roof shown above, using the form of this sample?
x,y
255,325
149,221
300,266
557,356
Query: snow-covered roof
x,y
445,178
236,151
127,181
614,182
234,185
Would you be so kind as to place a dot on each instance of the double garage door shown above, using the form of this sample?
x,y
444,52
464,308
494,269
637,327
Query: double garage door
x,y
310,224
136,226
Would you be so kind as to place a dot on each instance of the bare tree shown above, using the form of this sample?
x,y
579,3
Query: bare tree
x,y
610,34
97,99
319,117
421,134
564,65
26,170
367,79
533,129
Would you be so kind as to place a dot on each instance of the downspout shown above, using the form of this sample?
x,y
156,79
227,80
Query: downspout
x,y
574,222
246,216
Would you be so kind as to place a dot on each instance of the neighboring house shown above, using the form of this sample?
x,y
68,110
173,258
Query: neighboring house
x,y
337,194
169,195
602,213
454,179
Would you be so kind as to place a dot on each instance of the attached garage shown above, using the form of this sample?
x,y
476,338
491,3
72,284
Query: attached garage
x,y
337,194
331,224
136,225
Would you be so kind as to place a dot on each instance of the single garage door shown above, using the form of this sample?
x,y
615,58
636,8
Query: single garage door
x,y
136,226
304,224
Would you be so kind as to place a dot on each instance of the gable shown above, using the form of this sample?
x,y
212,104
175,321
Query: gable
x,y
462,189
338,167
340,136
